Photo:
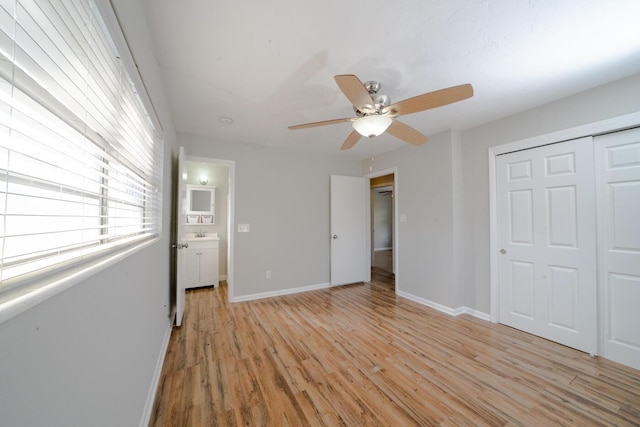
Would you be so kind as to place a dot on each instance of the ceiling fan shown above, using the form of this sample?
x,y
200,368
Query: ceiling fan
x,y
375,114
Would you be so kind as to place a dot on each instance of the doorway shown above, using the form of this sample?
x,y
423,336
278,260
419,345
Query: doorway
x,y
219,175
206,173
382,194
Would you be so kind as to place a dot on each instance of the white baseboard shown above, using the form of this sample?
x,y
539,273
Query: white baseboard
x,y
280,293
151,396
475,313
222,277
443,308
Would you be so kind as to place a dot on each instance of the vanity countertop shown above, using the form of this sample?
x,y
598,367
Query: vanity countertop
x,y
190,237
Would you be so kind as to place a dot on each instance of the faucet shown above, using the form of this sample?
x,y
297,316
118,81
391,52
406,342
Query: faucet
x,y
200,233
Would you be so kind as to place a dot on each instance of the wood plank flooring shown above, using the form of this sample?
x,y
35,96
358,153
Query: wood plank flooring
x,y
382,260
359,355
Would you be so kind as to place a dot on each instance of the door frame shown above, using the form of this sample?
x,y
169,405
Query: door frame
x,y
394,242
231,164
590,129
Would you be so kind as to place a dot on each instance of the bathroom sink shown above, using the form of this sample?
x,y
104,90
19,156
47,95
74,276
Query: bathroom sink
x,y
194,236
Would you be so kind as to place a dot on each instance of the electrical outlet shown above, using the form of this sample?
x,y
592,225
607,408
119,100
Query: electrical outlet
x,y
243,228
268,274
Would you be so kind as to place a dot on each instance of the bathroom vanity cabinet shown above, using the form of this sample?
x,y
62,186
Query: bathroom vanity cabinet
x,y
201,262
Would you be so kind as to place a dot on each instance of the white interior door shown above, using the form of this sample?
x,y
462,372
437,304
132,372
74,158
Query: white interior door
x,y
618,198
547,236
348,229
180,252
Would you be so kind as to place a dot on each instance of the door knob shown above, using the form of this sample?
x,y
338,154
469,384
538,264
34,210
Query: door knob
x,y
502,251
335,236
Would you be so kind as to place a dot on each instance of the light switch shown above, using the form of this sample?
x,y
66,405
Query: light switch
x,y
403,217
243,228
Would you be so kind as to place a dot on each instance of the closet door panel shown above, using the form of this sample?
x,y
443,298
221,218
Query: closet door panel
x,y
618,201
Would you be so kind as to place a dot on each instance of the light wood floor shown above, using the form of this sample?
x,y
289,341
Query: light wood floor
x,y
382,260
360,355
382,267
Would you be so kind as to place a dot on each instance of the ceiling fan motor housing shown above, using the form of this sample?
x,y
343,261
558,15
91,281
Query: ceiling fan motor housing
x,y
372,86
379,101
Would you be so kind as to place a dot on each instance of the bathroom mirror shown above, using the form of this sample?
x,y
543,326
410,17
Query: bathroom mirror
x,y
201,201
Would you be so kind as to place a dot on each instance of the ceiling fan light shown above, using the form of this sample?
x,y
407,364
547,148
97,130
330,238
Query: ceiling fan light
x,y
372,125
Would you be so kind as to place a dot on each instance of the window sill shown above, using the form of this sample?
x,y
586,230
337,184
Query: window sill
x,y
15,302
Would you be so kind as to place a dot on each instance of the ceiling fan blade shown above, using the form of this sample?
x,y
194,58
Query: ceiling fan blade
x,y
406,133
351,140
429,100
354,90
322,123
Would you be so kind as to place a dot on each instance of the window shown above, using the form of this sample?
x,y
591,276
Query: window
x,y
80,156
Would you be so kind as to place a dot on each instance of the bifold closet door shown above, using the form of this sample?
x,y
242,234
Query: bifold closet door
x,y
547,233
618,201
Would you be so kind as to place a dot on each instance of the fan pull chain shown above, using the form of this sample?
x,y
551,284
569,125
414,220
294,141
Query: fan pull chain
x,y
371,144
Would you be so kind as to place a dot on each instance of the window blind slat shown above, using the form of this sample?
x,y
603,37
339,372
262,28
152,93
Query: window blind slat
x,y
80,160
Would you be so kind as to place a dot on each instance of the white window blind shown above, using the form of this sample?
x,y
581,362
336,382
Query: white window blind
x,y
80,157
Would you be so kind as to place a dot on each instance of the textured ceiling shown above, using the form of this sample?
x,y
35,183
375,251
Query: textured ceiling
x,y
271,64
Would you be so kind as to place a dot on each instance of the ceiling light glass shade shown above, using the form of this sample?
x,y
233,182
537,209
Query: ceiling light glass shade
x,y
372,125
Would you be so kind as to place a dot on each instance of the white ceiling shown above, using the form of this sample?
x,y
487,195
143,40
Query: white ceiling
x,y
270,64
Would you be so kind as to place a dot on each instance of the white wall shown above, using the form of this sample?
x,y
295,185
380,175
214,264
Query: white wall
x,y
87,356
607,101
284,196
